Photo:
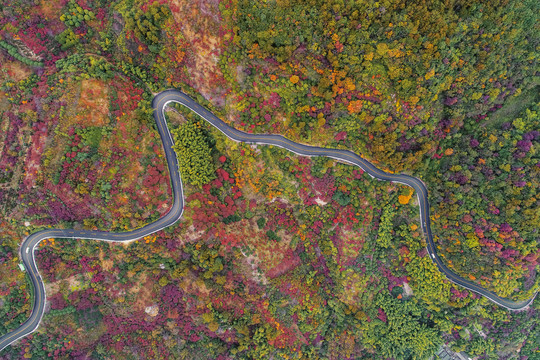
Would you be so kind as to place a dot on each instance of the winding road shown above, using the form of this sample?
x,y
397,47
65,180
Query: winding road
x,y
159,103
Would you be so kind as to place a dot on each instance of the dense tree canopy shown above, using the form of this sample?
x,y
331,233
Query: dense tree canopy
x,y
277,255
194,154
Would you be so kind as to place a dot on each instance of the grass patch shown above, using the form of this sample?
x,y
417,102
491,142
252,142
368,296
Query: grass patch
x,y
29,286
513,107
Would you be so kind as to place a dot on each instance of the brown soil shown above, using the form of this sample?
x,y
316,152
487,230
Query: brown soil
x,y
93,107
54,287
88,104
200,24
106,265
190,236
135,172
16,70
4,126
33,159
143,291
194,285
51,9
271,258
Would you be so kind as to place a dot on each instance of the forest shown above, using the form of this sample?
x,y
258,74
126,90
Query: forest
x,y
276,255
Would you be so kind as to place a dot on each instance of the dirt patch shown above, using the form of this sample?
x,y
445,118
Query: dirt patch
x,y
407,289
127,127
152,310
200,22
106,264
74,283
190,236
143,292
194,285
93,107
71,283
4,127
71,98
133,173
51,9
88,104
253,263
33,159
4,103
16,70
270,258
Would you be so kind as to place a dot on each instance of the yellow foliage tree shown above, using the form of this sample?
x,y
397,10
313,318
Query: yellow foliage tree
x,y
404,199
354,106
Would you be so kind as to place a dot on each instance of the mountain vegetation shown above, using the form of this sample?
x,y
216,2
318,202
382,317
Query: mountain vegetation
x,y
276,256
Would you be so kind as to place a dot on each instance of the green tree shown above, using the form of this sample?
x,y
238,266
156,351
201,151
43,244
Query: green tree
x,y
147,25
384,236
194,154
400,331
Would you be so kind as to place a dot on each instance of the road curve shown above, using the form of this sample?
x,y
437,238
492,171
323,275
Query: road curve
x,y
159,103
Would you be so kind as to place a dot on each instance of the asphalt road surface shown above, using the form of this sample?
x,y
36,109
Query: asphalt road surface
x,y
159,103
